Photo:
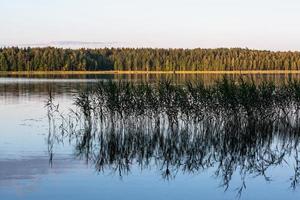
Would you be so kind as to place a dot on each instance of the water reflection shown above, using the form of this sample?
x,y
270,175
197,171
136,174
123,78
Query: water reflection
x,y
13,86
231,127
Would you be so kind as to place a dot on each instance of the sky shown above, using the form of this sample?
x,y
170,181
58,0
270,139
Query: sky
x,y
255,24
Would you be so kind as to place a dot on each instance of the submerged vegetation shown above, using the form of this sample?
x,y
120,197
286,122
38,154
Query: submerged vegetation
x,y
231,127
145,59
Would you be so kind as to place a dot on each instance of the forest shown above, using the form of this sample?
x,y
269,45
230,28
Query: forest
x,y
145,59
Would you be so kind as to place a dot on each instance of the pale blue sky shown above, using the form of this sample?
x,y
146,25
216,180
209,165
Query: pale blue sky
x,y
260,24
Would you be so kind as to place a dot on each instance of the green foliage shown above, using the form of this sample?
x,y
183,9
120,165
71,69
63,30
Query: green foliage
x,y
51,59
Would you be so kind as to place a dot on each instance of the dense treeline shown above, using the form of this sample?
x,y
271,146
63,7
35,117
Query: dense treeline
x,y
50,59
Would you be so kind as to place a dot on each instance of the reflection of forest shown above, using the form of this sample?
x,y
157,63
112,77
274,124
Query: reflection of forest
x,y
232,127
60,84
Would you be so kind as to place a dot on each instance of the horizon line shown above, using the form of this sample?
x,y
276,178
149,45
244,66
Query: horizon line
x,y
76,45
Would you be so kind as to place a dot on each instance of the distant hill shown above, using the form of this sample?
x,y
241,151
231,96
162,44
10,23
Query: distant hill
x,y
66,44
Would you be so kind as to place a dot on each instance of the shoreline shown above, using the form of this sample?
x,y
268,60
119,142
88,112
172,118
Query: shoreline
x,y
147,72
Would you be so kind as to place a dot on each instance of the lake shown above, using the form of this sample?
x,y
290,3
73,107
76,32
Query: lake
x,y
69,137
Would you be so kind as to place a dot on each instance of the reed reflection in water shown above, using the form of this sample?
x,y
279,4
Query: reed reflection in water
x,y
230,126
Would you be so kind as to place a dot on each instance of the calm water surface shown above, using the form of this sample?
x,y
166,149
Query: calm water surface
x,y
31,167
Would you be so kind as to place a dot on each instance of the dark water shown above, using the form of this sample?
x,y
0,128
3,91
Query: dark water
x,y
48,152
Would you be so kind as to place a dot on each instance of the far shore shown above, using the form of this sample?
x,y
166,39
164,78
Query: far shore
x,y
148,72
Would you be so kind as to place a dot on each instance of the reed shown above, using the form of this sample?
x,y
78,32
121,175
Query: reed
x,y
231,126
